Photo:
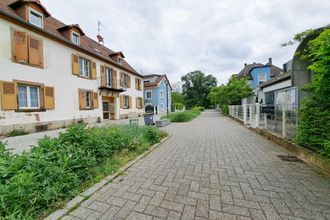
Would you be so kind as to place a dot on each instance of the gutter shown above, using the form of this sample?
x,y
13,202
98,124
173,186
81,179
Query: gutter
x,y
19,21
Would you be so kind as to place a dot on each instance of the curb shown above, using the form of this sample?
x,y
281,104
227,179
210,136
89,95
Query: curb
x,y
76,201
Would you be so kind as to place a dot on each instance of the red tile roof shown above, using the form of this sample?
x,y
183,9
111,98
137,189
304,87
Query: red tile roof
x,y
156,82
52,26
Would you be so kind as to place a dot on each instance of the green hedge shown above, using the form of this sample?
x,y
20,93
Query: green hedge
x,y
56,169
184,116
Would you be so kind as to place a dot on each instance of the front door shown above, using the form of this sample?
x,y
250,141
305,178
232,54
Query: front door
x,y
106,110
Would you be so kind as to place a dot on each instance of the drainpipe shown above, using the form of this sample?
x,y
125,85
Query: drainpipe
x,y
167,99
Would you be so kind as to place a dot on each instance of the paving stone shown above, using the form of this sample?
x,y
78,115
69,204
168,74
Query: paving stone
x,y
138,216
212,168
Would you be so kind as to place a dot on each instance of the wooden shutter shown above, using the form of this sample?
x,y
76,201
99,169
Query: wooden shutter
x,y
128,81
8,96
103,77
142,103
94,73
121,79
35,51
96,100
49,98
114,72
75,64
121,101
130,102
19,46
136,84
82,99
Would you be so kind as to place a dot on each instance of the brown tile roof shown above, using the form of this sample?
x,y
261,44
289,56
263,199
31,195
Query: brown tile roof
x,y
156,82
52,26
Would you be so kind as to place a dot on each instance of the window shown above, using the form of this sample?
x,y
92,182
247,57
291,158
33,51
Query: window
x,y
125,80
36,18
120,61
84,67
139,102
261,78
88,100
28,97
126,101
149,94
75,38
161,94
108,75
162,107
138,84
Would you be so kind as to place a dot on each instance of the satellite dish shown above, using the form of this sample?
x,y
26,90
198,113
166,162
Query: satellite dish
x,y
100,38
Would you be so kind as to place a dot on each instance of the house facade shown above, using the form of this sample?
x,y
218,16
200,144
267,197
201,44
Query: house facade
x,y
256,74
53,74
157,92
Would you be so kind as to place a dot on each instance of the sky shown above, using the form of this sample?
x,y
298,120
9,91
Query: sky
x,y
175,37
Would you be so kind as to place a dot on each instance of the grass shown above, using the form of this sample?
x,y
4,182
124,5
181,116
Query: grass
x,y
184,116
34,184
17,132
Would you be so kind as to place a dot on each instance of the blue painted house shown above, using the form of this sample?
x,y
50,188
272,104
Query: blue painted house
x,y
256,74
157,92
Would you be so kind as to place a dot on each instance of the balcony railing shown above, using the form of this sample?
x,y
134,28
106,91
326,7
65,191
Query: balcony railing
x,y
111,84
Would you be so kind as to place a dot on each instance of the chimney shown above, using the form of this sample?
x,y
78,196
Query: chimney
x,y
245,64
270,61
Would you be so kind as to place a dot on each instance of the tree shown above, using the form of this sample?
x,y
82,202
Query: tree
x,y
196,88
177,97
231,93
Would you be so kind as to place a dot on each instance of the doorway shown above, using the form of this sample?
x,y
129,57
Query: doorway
x,y
106,109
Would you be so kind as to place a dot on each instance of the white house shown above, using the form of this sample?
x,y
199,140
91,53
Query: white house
x,y
53,74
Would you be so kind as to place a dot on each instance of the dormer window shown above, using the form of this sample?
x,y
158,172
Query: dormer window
x,y
75,38
120,61
36,18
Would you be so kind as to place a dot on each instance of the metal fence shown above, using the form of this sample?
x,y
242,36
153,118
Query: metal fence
x,y
279,119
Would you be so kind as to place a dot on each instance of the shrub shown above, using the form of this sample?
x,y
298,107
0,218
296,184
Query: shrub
x,y
198,108
17,132
225,109
184,116
56,169
178,106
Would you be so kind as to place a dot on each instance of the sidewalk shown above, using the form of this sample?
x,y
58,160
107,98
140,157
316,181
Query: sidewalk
x,y
23,143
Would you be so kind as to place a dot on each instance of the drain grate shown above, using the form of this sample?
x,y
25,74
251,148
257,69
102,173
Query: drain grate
x,y
289,158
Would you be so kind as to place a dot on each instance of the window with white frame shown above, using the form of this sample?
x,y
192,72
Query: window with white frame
x,y
88,99
84,65
149,94
36,18
161,94
28,96
162,107
126,101
261,78
75,38
108,74
120,61
125,80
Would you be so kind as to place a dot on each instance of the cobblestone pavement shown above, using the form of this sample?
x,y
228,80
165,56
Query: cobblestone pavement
x,y
212,168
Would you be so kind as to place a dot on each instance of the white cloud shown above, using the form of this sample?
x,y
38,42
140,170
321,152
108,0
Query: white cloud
x,y
176,37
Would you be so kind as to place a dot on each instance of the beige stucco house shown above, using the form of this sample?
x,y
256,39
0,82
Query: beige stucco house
x,y
53,74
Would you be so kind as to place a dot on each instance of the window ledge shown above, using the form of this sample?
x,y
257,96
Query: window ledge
x,y
27,64
30,110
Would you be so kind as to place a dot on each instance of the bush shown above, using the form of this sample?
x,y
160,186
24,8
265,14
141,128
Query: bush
x,y
184,116
225,109
56,169
198,108
178,106
17,132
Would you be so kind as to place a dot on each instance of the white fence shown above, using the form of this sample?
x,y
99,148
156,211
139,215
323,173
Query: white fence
x,y
279,119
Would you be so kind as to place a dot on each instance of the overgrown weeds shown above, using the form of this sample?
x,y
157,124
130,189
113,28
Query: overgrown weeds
x,y
184,116
56,169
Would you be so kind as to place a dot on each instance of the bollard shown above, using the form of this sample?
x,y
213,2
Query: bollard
x,y
283,122
257,115
245,114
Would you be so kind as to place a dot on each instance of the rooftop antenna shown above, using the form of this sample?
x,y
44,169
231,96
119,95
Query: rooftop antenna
x,y
141,71
99,37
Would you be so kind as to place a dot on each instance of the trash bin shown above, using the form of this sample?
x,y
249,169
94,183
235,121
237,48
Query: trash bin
x,y
148,119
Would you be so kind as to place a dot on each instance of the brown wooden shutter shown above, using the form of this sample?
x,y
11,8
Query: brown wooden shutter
x,y
49,98
121,79
94,73
136,84
19,46
103,77
128,81
82,99
114,79
35,51
130,102
142,103
121,101
96,100
8,96
75,64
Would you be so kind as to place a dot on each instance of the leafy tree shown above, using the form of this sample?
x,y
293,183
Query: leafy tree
x,y
231,93
177,97
314,113
196,88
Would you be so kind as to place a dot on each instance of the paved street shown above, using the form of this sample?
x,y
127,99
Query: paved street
x,y
212,168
